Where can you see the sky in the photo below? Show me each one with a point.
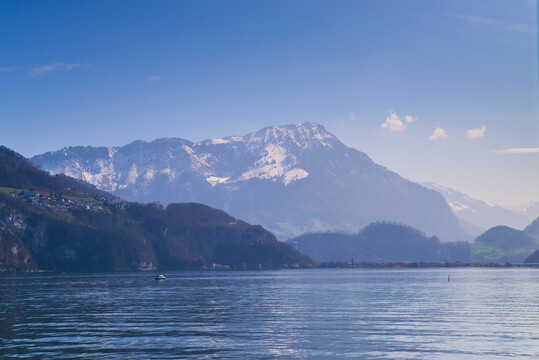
(440, 91)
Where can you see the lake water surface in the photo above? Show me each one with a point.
(297, 314)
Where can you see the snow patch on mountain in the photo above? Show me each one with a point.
(201, 164)
(133, 174)
(458, 206)
(188, 149)
(149, 174)
(294, 175)
(218, 141)
(270, 166)
(214, 180)
(86, 176)
(276, 164)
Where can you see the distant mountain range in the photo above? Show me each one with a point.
(57, 223)
(291, 179)
(380, 242)
(386, 242)
(475, 215)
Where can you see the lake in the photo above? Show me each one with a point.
(296, 314)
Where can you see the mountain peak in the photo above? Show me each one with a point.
(306, 135)
(301, 134)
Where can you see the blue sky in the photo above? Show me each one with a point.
(110, 72)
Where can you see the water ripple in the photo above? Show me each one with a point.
(300, 314)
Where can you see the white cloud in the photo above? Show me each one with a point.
(476, 133)
(154, 79)
(438, 133)
(50, 68)
(518, 151)
(409, 119)
(394, 123)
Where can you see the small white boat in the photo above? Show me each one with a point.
(160, 277)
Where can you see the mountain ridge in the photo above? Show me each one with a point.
(289, 178)
(481, 214)
(378, 243)
(383, 242)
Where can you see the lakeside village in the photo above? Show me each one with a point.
(58, 202)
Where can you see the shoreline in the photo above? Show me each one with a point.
(322, 265)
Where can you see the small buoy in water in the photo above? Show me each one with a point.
(448, 277)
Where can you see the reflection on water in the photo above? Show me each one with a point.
(357, 313)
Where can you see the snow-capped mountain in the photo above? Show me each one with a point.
(291, 179)
(476, 216)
